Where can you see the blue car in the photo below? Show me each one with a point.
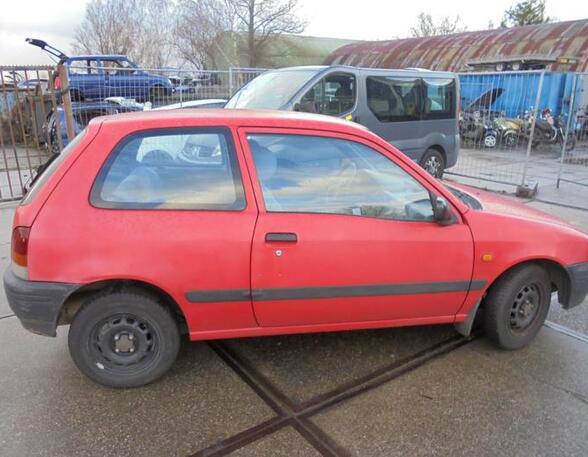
(97, 77)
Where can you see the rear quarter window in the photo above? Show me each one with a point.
(172, 169)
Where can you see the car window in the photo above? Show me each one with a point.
(333, 95)
(117, 67)
(313, 174)
(439, 98)
(83, 67)
(172, 169)
(394, 99)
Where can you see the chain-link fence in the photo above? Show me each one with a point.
(38, 116)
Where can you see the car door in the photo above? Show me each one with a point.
(334, 95)
(345, 234)
(392, 109)
(123, 80)
(86, 77)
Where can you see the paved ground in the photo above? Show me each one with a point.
(414, 391)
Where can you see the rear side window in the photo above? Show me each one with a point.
(439, 98)
(171, 169)
(45, 171)
(394, 99)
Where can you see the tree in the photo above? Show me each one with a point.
(427, 27)
(137, 28)
(198, 28)
(264, 20)
(525, 13)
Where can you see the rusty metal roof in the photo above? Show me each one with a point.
(562, 46)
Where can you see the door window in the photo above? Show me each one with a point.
(393, 99)
(314, 174)
(172, 169)
(333, 95)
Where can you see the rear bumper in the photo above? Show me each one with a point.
(578, 274)
(36, 304)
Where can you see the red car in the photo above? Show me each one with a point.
(229, 223)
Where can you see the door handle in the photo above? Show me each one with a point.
(281, 236)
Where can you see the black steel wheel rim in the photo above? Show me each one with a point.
(526, 307)
(124, 344)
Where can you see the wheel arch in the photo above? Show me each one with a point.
(73, 303)
(558, 275)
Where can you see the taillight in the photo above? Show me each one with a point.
(20, 251)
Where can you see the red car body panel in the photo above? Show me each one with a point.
(179, 251)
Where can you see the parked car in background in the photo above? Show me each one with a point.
(83, 112)
(415, 110)
(97, 77)
(198, 104)
(227, 223)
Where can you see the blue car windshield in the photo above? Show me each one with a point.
(271, 90)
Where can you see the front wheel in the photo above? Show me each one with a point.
(516, 306)
(433, 162)
(123, 339)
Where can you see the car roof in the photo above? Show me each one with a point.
(231, 118)
(99, 56)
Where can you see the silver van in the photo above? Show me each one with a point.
(414, 109)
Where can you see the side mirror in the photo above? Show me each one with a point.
(441, 211)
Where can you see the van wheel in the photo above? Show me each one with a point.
(516, 306)
(433, 162)
(123, 339)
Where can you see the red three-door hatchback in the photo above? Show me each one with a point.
(230, 223)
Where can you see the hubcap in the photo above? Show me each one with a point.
(525, 307)
(490, 141)
(123, 342)
(433, 165)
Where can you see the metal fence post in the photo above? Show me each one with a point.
(230, 82)
(565, 140)
(530, 144)
(66, 100)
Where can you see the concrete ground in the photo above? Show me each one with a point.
(412, 391)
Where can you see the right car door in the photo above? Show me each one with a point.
(347, 235)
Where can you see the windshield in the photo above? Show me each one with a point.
(271, 90)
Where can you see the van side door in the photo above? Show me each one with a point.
(392, 109)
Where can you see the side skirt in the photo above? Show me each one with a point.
(315, 328)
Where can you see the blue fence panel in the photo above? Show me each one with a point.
(516, 92)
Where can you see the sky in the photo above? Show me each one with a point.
(55, 22)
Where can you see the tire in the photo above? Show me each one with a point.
(516, 306)
(490, 141)
(509, 140)
(123, 339)
(433, 162)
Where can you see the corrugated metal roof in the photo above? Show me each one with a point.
(549, 43)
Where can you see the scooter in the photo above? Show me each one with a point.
(476, 129)
(548, 131)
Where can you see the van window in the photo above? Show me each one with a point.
(394, 99)
(333, 95)
(439, 98)
(171, 169)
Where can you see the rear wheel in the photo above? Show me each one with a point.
(157, 94)
(433, 162)
(516, 306)
(123, 339)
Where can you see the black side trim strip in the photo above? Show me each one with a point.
(294, 293)
(210, 296)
